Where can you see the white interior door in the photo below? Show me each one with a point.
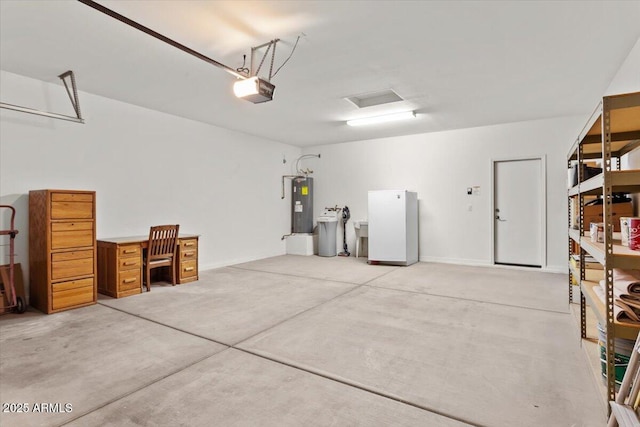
(518, 212)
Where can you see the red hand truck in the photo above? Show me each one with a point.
(15, 302)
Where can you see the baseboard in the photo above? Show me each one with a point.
(459, 261)
(482, 263)
(229, 262)
(556, 269)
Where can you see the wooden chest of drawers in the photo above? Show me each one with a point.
(62, 249)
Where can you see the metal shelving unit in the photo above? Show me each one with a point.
(612, 131)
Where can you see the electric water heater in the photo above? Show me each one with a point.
(302, 204)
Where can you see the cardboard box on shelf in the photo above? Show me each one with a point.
(594, 213)
(575, 211)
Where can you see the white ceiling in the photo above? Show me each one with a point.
(458, 64)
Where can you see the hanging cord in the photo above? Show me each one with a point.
(290, 55)
(243, 69)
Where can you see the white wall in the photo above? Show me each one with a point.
(440, 166)
(147, 168)
(627, 79)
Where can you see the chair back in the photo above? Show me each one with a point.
(163, 240)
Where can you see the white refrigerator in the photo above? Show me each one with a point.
(393, 227)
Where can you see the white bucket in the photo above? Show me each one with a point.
(622, 353)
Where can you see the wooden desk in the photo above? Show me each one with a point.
(120, 263)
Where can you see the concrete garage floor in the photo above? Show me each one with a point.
(293, 341)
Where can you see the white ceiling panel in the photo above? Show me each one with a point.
(457, 64)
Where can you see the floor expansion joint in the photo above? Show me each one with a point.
(362, 388)
(469, 299)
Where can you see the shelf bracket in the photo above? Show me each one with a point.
(73, 97)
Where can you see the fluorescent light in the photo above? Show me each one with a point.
(382, 119)
(254, 89)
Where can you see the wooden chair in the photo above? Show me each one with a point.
(162, 251)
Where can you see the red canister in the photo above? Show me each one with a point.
(634, 234)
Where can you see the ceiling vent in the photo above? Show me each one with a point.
(374, 98)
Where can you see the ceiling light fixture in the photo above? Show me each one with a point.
(382, 119)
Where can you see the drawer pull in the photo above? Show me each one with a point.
(129, 280)
(129, 251)
(189, 244)
(129, 263)
(189, 269)
(188, 254)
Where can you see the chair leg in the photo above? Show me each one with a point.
(173, 272)
(148, 279)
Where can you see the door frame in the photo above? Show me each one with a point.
(542, 201)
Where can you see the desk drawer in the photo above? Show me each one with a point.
(188, 269)
(71, 264)
(189, 244)
(188, 254)
(128, 280)
(130, 263)
(72, 293)
(129, 251)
